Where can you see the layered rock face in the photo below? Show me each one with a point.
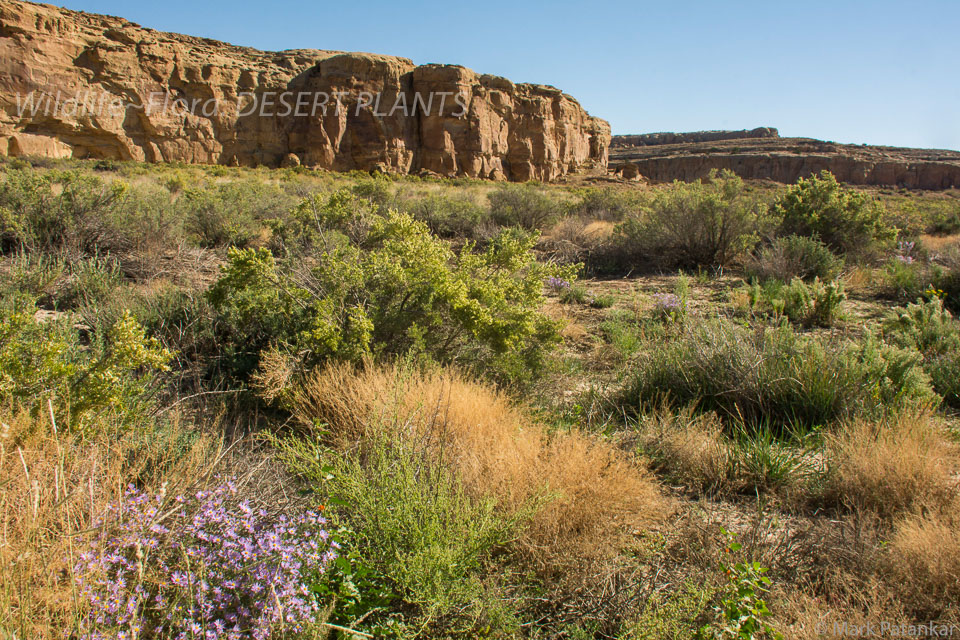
(653, 139)
(80, 85)
(787, 159)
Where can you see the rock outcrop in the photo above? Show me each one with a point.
(787, 159)
(79, 85)
(653, 139)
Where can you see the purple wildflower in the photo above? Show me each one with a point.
(199, 570)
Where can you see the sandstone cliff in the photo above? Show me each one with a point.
(80, 85)
(787, 159)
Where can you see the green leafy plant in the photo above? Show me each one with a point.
(57, 210)
(814, 304)
(743, 611)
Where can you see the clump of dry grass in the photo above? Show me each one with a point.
(896, 466)
(52, 488)
(589, 493)
(923, 561)
(687, 447)
(574, 239)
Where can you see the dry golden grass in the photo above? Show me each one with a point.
(923, 561)
(937, 244)
(897, 466)
(688, 447)
(590, 493)
(52, 488)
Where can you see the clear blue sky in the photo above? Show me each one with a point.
(877, 72)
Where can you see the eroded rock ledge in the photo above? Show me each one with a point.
(494, 129)
(785, 160)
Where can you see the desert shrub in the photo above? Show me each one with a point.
(889, 468)
(450, 216)
(396, 289)
(523, 205)
(933, 331)
(89, 282)
(776, 378)
(376, 190)
(322, 222)
(945, 221)
(604, 203)
(692, 224)
(231, 213)
(214, 565)
(56, 210)
(846, 220)
(41, 361)
(904, 278)
(35, 275)
(814, 304)
(182, 321)
(946, 285)
(794, 257)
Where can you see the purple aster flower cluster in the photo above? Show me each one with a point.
(207, 566)
(667, 304)
(904, 251)
(557, 284)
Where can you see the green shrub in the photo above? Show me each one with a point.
(231, 213)
(945, 221)
(693, 224)
(411, 524)
(376, 190)
(89, 283)
(946, 285)
(523, 205)
(45, 361)
(814, 304)
(794, 257)
(604, 203)
(56, 210)
(904, 279)
(933, 331)
(776, 378)
(846, 220)
(450, 216)
(393, 288)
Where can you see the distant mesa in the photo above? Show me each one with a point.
(762, 154)
(652, 139)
